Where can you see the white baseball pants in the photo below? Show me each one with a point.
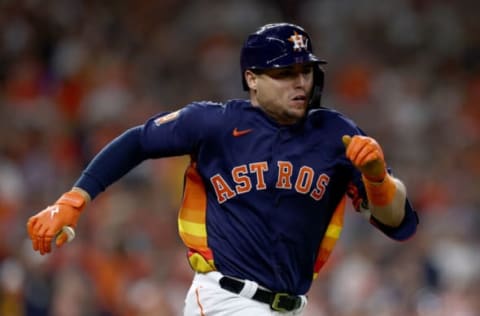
(206, 298)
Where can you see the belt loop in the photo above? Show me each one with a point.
(249, 289)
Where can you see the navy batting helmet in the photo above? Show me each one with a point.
(281, 45)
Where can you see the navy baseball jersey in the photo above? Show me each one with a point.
(261, 201)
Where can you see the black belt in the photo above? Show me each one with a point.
(282, 302)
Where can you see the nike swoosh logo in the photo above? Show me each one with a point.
(236, 132)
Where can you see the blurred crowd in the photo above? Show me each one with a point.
(76, 73)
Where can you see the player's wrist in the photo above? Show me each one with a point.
(374, 171)
(380, 193)
(74, 198)
(84, 193)
(377, 178)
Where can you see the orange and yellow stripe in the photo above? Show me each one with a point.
(334, 229)
(192, 224)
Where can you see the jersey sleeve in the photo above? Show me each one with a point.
(166, 134)
(175, 133)
(405, 230)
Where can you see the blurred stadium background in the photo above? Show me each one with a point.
(75, 73)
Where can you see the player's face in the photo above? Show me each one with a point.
(283, 93)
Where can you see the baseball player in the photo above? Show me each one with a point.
(265, 192)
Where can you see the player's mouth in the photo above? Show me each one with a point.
(299, 100)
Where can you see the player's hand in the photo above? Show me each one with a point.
(366, 155)
(48, 224)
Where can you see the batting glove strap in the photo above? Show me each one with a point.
(74, 199)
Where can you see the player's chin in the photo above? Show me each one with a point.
(298, 108)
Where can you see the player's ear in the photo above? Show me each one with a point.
(251, 79)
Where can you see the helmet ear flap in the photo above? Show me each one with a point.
(318, 81)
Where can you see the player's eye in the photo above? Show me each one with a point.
(283, 73)
(289, 72)
(307, 69)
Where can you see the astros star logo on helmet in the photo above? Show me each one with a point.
(299, 41)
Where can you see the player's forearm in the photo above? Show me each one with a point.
(388, 206)
(115, 160)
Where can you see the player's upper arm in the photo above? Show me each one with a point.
(179, 132)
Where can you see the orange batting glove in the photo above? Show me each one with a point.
(47, 224)
(367, 156)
